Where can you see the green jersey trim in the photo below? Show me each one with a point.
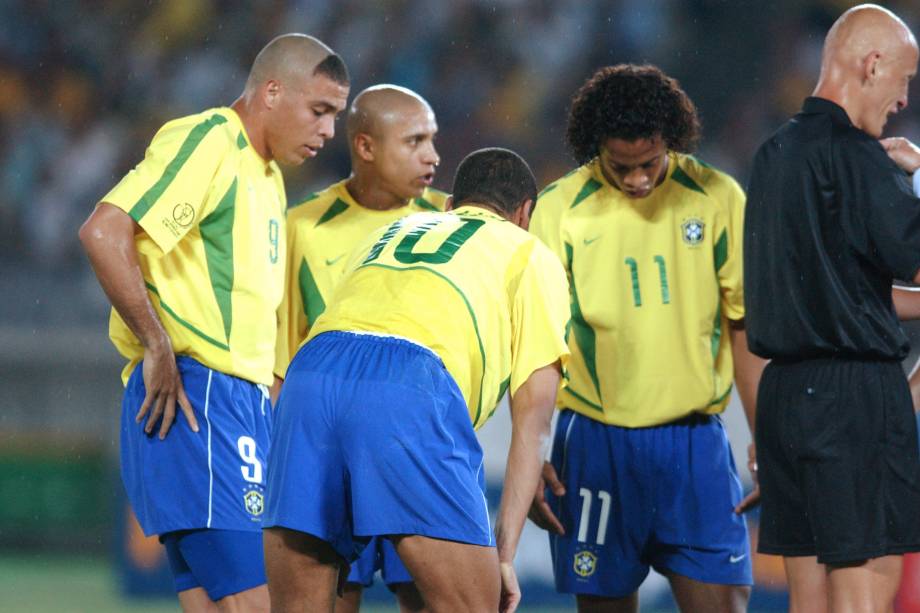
(195, 136)
(422, 203)
(585, 337)
(684, 179)
(217, 235)
(175, 316)
(469, 308)
(590, 186)
(338, 207)
(313, 303)
(568, 389)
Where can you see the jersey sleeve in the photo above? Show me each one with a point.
(170, 191)
(887, 228)
(727, 253)
(539, 315)
(546, 224)
(292, 318)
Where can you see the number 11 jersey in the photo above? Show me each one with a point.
(652, 283)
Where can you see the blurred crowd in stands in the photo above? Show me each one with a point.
(84, 84)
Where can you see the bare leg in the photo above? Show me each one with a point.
(602, 604)
(692, 595)
(452, 576)
(302, 571)
(196, 600)
(253, 600)
(409, 598)
(869, 587)
(807, 584)
(350, 600)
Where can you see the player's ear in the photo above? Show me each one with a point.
(870, 66)
(270, 93)
(363, 144)
(521, 215)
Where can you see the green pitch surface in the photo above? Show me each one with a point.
(55, 584)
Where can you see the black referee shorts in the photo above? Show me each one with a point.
(838, 461)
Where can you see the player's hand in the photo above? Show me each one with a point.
(903, 152)
(540, 513)
(511, 591)
(164, 390)
(753, 498)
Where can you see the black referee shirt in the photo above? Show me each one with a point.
(830, 222)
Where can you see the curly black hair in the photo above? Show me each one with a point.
(630, 102)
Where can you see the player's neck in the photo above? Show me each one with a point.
(370, 194)
(251, 126)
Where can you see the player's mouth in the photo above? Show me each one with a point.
(426, 179)
(311, 152)
(637, 193)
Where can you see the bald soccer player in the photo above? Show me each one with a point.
(375, 433)
(391, 133)
(831, 221)
(190, 249)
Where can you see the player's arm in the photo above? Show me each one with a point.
(108, 238)
(906, 301)
(748, 370)
(532, 407)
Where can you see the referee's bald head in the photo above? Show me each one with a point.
(869, 57)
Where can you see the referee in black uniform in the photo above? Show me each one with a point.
(830, 222)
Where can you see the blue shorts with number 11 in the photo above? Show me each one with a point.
(640, 498)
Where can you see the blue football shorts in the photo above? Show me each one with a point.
(222, 562)
(380, 554)
(639, 498)
(213, 478)
(373, 438)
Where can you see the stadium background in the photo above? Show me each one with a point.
(85, 83)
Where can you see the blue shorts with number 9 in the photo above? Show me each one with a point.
(639, 498)
(213, 478)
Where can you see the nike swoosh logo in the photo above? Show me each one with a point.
(334, 260)
(736, 559)
(588, 241)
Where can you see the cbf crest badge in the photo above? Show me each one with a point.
(692, 231)
(585, 563)
(254, 502)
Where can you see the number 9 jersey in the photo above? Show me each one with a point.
(494, 310)
(652, 283)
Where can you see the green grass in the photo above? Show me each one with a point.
(57, 584)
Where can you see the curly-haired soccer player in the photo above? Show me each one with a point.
(641, 473)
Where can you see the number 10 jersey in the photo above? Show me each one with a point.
(489, 298)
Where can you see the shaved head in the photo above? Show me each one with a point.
(292, 56)
(380, 106)
(862, 30)
(869, 57)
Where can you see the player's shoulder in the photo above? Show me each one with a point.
(215, 128)
(570, 189)
(701, 177)
(319, 207)
(431, 200)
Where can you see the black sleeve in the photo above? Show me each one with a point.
(883, 202)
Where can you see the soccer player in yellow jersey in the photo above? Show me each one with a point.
(391, 133)
(642, 474)
(190, 249)
(374, 432)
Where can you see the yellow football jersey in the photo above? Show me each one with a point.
(652, 282)
(484, 295)
(212, 249)
(321, 233)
